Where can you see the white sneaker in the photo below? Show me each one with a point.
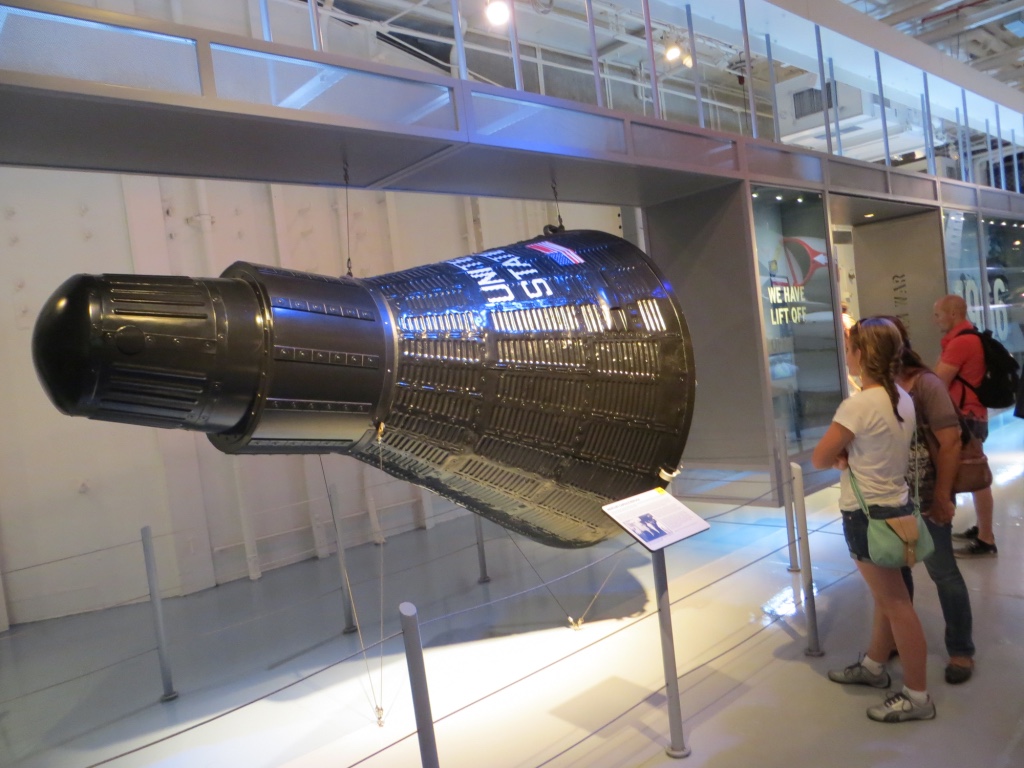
(899, 708)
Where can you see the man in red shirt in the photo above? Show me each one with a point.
(963, 359)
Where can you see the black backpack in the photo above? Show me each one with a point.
(998, 388)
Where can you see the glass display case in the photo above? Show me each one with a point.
(799, 320)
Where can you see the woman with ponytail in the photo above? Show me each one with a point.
(870, 436)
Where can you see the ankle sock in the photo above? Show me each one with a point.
(918, 697)
(872, 666)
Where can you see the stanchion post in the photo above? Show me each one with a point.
(169, 693)
(813, 645)
(677, 747)
(480, 552)
(418, 684)
(346, 595)
(786, 487)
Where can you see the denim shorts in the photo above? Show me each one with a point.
(855, 526)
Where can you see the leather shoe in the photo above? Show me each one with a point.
(957, 673)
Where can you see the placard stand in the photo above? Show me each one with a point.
(657, 519)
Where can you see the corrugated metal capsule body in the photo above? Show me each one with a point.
(563, 379)
(531, 383)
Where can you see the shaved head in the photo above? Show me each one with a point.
(949, 311)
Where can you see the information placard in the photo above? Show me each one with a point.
(656, 518)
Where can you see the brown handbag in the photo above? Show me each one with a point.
(972, 472)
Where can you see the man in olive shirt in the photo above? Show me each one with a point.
(963, 360)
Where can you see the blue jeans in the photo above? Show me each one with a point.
(953, 595)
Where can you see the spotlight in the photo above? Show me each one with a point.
(677, 51)
(531, 383)
(497, 12)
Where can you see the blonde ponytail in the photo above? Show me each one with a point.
(881, 349)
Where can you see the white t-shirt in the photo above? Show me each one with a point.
(880, 447)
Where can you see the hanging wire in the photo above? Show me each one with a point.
(577, 624)
(380, 547)
(551, 229)
(375, 703)
(542, 580)
(348, 224)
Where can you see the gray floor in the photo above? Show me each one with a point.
(267, 676)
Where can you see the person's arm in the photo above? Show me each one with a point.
(946, 372)
(946, 461)
(831, 449)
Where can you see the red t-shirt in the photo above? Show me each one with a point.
(966, 355)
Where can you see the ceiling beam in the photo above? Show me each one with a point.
(978, 19)
(916, 11)
(998, 60)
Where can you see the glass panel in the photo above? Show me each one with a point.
(540, 126)
(1004, 256)
(57, 46)
(963, 261)
(903, 88)
(981, 114)
(798, 91)
(804, 356)
(724, 90)
(952, 134)
(678, 65)
(260, 78)
(565, 66)
(857, 117)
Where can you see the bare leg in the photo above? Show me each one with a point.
(895, 619)
(983, 506)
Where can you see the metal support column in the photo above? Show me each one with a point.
(825, 93)
(747, 70)
(346, 582)
(649, 34)
(967, 138)
(677, 747)
(786, 485)
(481, 553)
(775, 95)
(418, 684)
(460, 41)
(169, 693)
(598, 87)
(696, 67)
(513, 39)
(929, 140)
(1000, 157)
(813, 644)
(881, 101)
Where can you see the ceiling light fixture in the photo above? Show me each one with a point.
(676, 50)
(497, 12)
(869, 215)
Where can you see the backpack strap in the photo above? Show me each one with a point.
(961, 379)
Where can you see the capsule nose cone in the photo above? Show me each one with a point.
(61, 344)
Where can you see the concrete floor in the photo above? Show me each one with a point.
(267, 678)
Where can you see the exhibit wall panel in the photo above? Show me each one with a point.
(900, 271)
(703, 245)
(76, 493)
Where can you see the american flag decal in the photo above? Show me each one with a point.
(559, 253)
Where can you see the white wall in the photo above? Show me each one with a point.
(75, 493)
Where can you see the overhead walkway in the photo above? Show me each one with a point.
(88, 89)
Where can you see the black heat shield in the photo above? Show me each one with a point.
(531, 384)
